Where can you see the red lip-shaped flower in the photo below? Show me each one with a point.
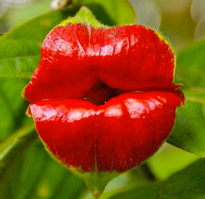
(103, 98)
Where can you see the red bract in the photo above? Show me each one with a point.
(103, 99)
(77, 58)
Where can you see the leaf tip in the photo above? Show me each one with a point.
(84, 16)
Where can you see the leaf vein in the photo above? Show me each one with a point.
(26, 56)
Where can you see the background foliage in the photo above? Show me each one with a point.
(27, 171)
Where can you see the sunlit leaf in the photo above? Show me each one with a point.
(190, 69)
(110, 12)
(186, 184)
(168, 160)
(189, 130)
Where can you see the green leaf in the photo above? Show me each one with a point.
(190, 69)
(110, 12)
(140, 175)
(186, 184)
(13, 106)
(18, 48)
(18, 58)
(168, 160)
(189, 129)
(32, 174)
(11, 147)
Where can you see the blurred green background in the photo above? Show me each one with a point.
(180, 21)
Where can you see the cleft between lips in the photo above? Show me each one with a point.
(101, 93)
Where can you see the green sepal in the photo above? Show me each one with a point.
(84, 16)
(95, 181)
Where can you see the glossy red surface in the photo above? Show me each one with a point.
(119, 134)
(76, 58)
(103, 98)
